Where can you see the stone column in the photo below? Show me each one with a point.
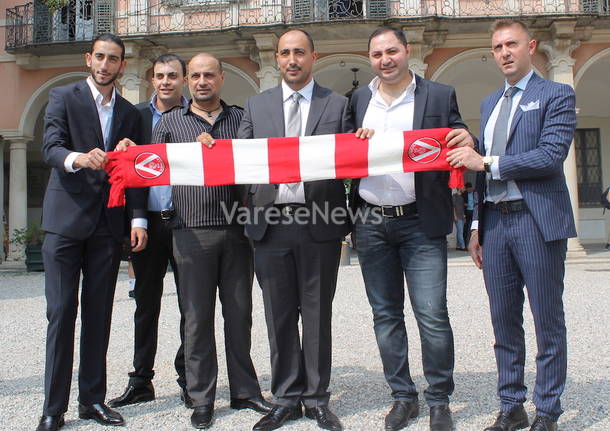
(2, 217)
(561, 69)
(18, 194)
(264, 55)
(422, 44)
(133, 81)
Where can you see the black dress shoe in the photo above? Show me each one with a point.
(256, 403)
(101, 413)
(542, 423)
(440, 418)
(399, 415)
(186, 399)
(326, 419)
(133, 395)
(202, 417)
(277, 417)
(516, 419)
(50, 423)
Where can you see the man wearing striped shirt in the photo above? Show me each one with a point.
(211, 252)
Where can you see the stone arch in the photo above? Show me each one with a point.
(238, 85)
(602, 55)
(333, 71)
(39, 98)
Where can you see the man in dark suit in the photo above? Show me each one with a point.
(524, 219)
(83, 121)
(296, 263)
(402, 227)
(150, 265)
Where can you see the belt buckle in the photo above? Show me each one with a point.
(167, 214)
(384, 214)
(503, 207)
(287, 210)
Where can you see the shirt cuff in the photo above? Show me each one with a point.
(139, 222)
(69, 162)
(474, 225)
(495, 168)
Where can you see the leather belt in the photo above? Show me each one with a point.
(289, 209)
(507, 207)
(164, 214)
(392, 211)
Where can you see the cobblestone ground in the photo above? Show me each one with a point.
(360, 395)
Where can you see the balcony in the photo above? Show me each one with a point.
(32, 24)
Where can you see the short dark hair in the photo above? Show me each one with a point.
(501, 23)
(109, 37)
(309, 38)
(166, 58)
(400, 35)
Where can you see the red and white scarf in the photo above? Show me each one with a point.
(278, 160)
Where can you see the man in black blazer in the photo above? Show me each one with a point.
(150, 264)
(296, 263)
(82, 121)
(402, 230)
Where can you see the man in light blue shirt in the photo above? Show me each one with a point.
(169, 76)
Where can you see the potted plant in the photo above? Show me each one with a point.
(31, 238)
(54, 5)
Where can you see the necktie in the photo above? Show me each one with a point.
(293, 125)
(498, 189)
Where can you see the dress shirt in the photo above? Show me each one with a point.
(160, 197)
(104, 112)
(285, 194)
(398, 188)
(513, 192)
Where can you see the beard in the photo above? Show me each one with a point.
(107, 80)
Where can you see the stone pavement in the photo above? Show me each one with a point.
(360, 395)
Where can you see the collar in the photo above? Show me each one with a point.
(186, 109)
(153, 104)
(306, 92)
(522, 82)
(374, 86)
(97, 96)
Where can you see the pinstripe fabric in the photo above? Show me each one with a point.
(512, 259)
(528, 248)
(199, 206)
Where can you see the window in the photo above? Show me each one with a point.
(588, 165)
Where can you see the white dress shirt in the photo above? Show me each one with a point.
(285, 194)
(104, 112)
(390, 189)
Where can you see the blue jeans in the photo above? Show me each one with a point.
(387, 250)
(459, 233)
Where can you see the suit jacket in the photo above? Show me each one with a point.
(264, 118)
(538, 143)
(74, 202)
(435, 106)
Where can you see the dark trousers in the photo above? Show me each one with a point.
(98, 258)
(209, 259)
(150, 266)
(467, 225)
(515, 254)
(298, 276)
(390, 250)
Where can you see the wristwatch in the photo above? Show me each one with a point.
(487, 161)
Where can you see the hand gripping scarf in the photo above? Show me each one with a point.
(278, 160)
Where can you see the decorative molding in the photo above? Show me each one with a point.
(27, 61)
(268, 77)
(331, 60)
(603, 54)
(151, 52)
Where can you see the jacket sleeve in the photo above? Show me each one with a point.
(246, 130)
(558, 126)
(137, 198)
(56, 141)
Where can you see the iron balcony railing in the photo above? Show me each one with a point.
(34, 24)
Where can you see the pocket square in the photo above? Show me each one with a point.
(530, 106)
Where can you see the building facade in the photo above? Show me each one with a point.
(43, 48)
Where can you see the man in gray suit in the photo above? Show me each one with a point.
(297, 263)
(524, 216)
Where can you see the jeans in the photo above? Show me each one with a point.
(459, 233)
(387, 250)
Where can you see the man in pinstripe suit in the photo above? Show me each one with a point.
(523, 219)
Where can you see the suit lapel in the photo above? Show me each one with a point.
(316, 109)
(486, 110)
(421, 98)
(529, 94)
(83, 94)
(276, 106)
(115, 125)
(362, 104)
